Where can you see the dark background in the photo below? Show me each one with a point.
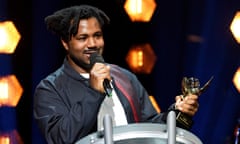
(174, 22)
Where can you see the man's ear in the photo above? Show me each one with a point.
(65, 45)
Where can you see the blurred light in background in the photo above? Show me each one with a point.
(140, 10)
(235, 27)
(11, 91)
(236, 79)
(155, 104)
(141, 58)
(11, 137)
(9, 37)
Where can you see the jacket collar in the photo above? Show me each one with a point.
(67, 68)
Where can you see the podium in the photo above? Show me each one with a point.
(142, 133)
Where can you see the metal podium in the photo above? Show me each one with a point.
(142, 133)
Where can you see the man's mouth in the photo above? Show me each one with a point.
(89, 52)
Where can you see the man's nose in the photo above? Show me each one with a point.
(91, 42)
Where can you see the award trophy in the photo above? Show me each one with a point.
(190, 86)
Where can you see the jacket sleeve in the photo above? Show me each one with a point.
(148, 112)
(65, 120)
(143, 105)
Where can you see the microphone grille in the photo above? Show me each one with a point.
(95, 57)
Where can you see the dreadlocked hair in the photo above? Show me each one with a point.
(65, 21)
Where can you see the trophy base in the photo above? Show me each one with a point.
(184, 120)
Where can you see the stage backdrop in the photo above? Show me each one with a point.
(189, 38)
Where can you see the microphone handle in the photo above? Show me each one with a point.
(107, 87)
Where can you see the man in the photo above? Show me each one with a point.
(70, 103)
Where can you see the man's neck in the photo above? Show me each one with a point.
(75, 66)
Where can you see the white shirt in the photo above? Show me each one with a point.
(113, 107)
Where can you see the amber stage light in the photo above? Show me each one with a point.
(9, 37)
(235, 27)
(236, 79)
(141, 58)
(11, 91)
(155, 104)
(140, 10)
(10, 137)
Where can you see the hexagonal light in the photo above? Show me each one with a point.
(140, 10)
(141, 58)
(235, 27)
(10, 137)
(11, 91)
(9, 37)
(236, 79)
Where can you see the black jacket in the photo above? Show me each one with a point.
(66, 107)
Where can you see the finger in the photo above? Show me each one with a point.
(191, 96)
(180, 97)
(98, 66)
(189, 109)
(192, 109)
(100, 69)
(178, 103)
(191, 102)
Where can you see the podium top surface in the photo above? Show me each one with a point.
(142, 133)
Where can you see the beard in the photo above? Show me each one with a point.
(80, 63)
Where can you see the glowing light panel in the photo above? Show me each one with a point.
(9, 37)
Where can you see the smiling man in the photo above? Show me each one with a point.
(70, 103)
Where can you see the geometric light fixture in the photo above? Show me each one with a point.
(141, 58)
(140, 10)
(235, 27)
(236, 79)
(10, 137)
(10, 91)
(9, 37)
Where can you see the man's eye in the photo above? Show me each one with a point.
(98, 35)
(82, 38)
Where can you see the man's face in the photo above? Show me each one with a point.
(88, 40)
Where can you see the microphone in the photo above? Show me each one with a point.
(94, 58)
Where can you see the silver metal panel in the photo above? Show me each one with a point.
(142, 133)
